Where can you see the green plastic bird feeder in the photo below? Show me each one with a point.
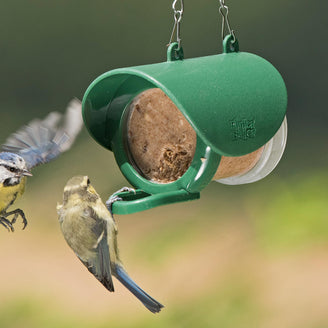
(235, 102)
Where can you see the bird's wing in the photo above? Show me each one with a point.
(99, 262)
(43, 140)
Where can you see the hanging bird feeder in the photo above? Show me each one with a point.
(175, 126)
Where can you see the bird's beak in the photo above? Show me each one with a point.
(27, 173)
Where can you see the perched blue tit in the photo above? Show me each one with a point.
(37, 143)
(90, 230)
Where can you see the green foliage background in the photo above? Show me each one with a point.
(243, 243)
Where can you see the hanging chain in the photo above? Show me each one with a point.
(224, 10)
(178, 13)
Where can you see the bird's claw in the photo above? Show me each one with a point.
(22, 215)
(114, 197)
(7, 224)
(125, 189)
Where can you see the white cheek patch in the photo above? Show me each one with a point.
(5, 174)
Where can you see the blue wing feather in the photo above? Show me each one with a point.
(43, 140)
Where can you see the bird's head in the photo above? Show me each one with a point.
(79, 187)
(12, 169)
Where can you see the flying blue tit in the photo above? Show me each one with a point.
(90, 230)
(36, 143)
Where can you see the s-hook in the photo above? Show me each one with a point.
(224, 10)
(178, 13)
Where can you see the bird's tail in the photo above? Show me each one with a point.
(150, 303)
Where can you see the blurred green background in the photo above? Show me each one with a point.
(242, 256)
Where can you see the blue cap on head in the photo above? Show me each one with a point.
(11, 157)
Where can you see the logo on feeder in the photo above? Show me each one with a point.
(243, 129)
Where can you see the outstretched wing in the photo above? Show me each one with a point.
(43, 140)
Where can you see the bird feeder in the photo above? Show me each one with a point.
(219, 117)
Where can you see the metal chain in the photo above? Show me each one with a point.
(178, 13)
(224, 10)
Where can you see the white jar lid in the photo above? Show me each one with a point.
(271, 155)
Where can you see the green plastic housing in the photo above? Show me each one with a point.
(235, 102)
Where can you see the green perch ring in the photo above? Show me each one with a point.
(235, 102)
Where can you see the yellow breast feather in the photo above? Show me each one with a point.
(8, 194)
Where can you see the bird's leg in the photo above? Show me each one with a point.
(6, 223)
(114, 198)
(16, 213)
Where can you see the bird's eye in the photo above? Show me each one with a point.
(11, 168)
(88, 181)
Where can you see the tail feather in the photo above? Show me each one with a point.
(150, 303)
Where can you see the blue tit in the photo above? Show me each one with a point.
(37, 143)
(91, 232)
